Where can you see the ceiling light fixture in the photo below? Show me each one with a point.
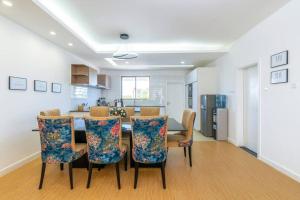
(7, 3)
(124, 54)
(52, 33)
(70, 44)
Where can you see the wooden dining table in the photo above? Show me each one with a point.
(80, 137)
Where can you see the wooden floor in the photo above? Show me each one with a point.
(220, 171)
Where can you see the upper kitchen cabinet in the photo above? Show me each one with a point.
(104, 81)
(83, 75)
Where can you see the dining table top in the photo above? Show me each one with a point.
(173, 125)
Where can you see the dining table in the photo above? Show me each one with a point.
(80, 137)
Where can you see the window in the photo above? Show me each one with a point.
(135, 87)
(79, 92)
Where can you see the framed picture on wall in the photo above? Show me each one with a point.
(40, 86)
(280, 59)
(56, 88)
(280, 76)
(17, 83)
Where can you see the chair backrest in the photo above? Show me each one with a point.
(150, 111)
(99, 111)
(104, 139)
(149, 139)
(188, 119)
(129, 113)
(53, 112)
(57, 138)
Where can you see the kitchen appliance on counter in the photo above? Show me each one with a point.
(209, 106)
(102, 102)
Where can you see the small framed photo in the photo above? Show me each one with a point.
(56, 88)
(280, 76)
(40, 86)
(17, 83)
(280, 59)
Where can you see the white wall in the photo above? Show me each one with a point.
(93, 95)
(280, 108)
(25, 54)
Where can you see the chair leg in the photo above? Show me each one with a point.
(190, 155)
(90, 175)
(136, 174)
(163, 174)
(71, 174)
(61, 166)
(184, 149)
(118, 175)
(42, 175)
(125, 160)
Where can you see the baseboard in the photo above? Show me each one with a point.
(281, 168)
(19, 163)
(233, 141)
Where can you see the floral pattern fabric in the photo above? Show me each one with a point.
(56, 138)
(103, 137)
(149, 137)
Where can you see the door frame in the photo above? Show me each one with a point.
(184, 95)
(241, 105)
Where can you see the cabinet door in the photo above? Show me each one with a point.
(92, 77)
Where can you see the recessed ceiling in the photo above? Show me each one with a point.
(164, 33)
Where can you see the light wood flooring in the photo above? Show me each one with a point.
(220, 171)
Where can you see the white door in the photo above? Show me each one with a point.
(175, 100)
(251, 106)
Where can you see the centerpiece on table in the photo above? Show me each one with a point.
(117, 111)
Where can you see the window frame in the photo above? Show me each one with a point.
(134, 87)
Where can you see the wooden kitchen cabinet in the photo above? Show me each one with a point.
(83, 75)
(104, 81)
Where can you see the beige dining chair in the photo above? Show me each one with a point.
(150, 111)
(53, 112)
(99, 111)
(185, 138)
(129, 113)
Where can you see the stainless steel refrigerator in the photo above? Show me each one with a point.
(208, 103)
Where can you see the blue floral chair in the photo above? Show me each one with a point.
(104, 142)
(149, 138)
(58, 143)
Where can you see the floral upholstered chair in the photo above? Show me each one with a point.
(104, 141)
(184, 139)
(58, 143)
(149, 136)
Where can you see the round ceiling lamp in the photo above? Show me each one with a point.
(124, 55)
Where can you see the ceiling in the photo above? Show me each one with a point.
(168, 34)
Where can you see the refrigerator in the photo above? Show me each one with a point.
(208, 103)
